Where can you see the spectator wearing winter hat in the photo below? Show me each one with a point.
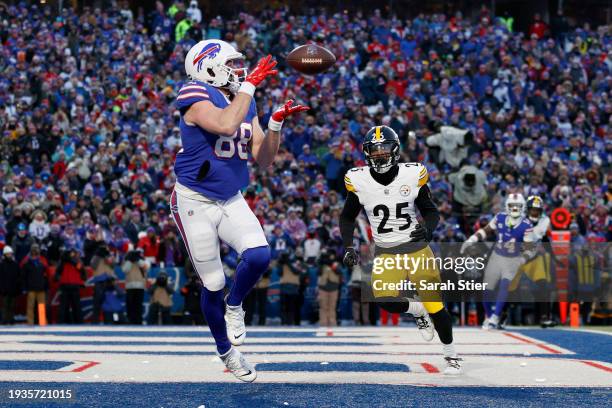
(22, 242)
(295, 226)
(10, 284)
(52, 244)
(149, 244)
(171, 251)
(280, 242)
(133, 226)
(39, 228)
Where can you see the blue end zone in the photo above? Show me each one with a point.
(36, 365)
(308, 395)
(346, 366)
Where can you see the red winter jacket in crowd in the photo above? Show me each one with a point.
(150, 247)
(68, 273)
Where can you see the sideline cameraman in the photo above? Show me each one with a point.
(135, 268)
(102, 263)
(469, 194)
(454, 143)
(161, 300)
(329, 288)
(289, 288)
(71, 276)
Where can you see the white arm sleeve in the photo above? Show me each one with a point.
(433, 140)
(493, 223)
(539, 231)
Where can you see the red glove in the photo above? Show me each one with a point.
(263, 69)
(288, 109)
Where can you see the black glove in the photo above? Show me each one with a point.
(350, 257)
(420, 234)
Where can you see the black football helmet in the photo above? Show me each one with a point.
(381, 147)
(535, 208)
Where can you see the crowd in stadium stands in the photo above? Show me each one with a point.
(90, 131)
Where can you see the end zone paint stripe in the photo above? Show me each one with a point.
(430, 368)
(528, 341)
(596, 365)
(85, 366)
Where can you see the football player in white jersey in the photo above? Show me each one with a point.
(538, 270)
(390, 193)
(535, 213)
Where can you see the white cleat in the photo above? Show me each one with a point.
(237, 365)
(453, 366)
(425, 327)
(234, 321)
(491, 323)
(485, 324)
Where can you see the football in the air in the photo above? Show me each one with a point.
(311, 59)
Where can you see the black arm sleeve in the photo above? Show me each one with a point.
(428, 209)
(351, 210)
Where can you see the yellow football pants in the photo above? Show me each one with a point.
(389, 274)
(536, 269)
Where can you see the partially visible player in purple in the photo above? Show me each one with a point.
(219, 132)
(512, 250)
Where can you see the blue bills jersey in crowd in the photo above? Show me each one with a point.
(508, 235)
(210, 164)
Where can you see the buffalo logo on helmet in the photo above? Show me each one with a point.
(209, 51)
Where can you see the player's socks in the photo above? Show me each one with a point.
(213, 307)
(449, 350)
(489, 295)
(253, 264)
(416, 309)
(502, 295)
(444, 325)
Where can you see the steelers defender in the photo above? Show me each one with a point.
(390, 192)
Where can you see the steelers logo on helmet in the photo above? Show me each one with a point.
(535, 207)
(381, 148)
